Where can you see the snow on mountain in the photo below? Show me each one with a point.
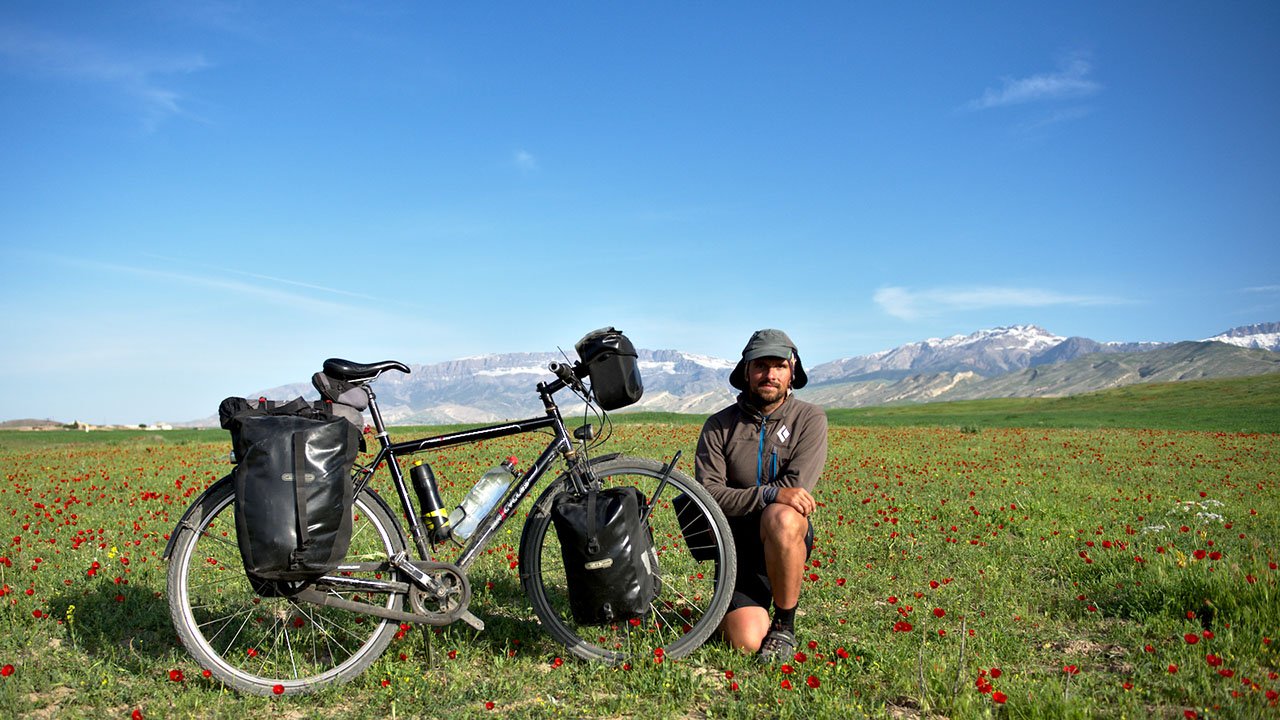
(1264, 336)
(985, 352)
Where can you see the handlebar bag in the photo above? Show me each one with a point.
(613, 365)
(293, 492)
(610, 564)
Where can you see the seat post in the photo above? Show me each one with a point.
(376, 414)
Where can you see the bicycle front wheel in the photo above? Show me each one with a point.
(265, 645)
(696, 558)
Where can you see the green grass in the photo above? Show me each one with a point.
(1250, 404)
(1043, 548)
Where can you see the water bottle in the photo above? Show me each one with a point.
(433, 514)
(481, 499)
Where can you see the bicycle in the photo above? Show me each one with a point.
(297, 638)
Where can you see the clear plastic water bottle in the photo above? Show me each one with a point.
(481, 499)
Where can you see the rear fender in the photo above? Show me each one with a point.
(191, 518)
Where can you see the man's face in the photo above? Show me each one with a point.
(769, 378)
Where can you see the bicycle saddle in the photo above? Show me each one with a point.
(360, 372)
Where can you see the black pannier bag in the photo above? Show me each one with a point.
(293, 488)
(610, 564)
(613, 366)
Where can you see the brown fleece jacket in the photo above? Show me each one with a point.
(740, 452)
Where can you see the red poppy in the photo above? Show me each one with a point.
(1191, 638)
(939, 612)
(176, 676)
(812, 681)
(277, 689)
(785, 684)
(6, 671)
(995, 673)
(1070, 669)
(998, 697)
(787, 669)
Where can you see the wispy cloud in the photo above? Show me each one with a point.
(145, 79)
(525, 161)
(1071, 81)
(1263, 289)
(911, 304)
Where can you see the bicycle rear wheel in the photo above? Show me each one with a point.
(695, 593)
(266, 645)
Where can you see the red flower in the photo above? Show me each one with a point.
(995, 673)
(1173, 669)
(812, 681)
(1070, 669)
(800, 657)
(557, 662)
(136, 715)
(902, 626)
(6, 671)
(1190, 714)
(1191, 638)
(939, 612)
(998, 697)
(734, 686)
(277, 689)
(176, 676)
(785, 684)
(842, 653)
(1213, 660)
(893, 599)
(787, 669)
(488, 704)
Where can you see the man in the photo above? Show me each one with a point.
(760, 459)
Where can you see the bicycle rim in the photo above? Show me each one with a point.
(266, 645)
(694, 593)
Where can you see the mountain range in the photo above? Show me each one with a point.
(1014, 361)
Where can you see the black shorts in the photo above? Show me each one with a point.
(753, 588)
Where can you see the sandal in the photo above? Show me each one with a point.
(777, 646)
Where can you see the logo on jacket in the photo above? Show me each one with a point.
(783, 433)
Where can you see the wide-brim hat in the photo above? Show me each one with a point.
(768, 343)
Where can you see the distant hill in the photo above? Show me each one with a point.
(1014, 361)
(1088, 373)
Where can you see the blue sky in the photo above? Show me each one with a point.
(209, 198)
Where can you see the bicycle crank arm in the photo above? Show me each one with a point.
(316, 597)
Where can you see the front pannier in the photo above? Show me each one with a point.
(613, 366)
(293, 490)
(609, 561)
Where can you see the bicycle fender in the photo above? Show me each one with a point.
(193, 514)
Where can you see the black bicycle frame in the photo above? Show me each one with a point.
(559, 445)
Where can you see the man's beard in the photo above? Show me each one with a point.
(759, 400)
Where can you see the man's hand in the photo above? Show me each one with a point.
(798, 498)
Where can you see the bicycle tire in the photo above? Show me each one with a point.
(272, 645)
(694, 594)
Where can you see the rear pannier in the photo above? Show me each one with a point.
(293, 488)
(613, 367)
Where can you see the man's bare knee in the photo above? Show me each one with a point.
(783, 523)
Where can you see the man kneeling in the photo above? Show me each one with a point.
(760, 458)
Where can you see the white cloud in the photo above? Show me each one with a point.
(526, 161)
(1070, 81)
(909, 304)
(142, 78)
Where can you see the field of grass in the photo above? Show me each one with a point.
(1250, 404)
(1034, 572)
